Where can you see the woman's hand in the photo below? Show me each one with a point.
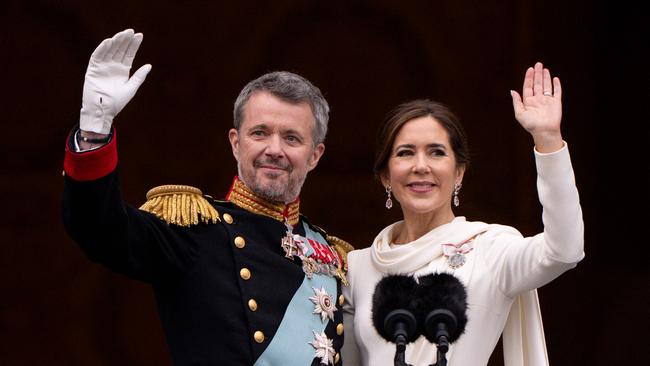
(540, 110)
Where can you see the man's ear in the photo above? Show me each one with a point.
(319, 150)
(233, 136)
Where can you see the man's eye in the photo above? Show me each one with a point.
(292, 138)
(257, 133)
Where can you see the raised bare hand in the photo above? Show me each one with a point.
(540, 109)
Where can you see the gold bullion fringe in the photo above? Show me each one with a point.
(342, 247)
(180, 205)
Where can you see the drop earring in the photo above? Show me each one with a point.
(456, 190)
(389, 201)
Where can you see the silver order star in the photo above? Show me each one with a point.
(324, 348)
(323, 304)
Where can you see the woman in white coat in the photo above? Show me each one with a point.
(421, 161)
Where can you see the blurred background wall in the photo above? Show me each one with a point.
(58, 308)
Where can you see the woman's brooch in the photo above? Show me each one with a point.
(455, 253)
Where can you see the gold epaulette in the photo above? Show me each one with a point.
(342, 247)
(180, 205)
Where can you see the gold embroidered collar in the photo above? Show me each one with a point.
(242, 196)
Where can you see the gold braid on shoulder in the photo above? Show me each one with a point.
(342, 247)
(180, 205)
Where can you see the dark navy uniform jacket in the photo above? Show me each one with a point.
(223, 290)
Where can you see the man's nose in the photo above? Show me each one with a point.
(274, 148)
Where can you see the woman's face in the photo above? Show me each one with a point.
(422, 168)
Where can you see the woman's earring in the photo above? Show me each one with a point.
(389, 201)
(456, 190)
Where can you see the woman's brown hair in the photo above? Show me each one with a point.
(408, 111)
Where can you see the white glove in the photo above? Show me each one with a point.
(107, 87)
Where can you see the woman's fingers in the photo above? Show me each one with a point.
(547, 85)
(557, 88)
(527, 90)
(538, 79)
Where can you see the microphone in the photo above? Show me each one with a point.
(393, 314)
(440, 302)
(435, 306)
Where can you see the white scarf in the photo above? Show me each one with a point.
(523, 335)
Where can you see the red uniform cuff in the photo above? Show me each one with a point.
(90, 165)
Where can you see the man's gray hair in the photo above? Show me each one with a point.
(291, 88)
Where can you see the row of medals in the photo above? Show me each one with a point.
(295, 245)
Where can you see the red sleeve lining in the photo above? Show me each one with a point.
(90, 165)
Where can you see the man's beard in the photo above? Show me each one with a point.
(276, 190)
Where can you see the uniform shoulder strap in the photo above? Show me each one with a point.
(180, 205)
(341, 246)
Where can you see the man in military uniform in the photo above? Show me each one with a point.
(242, 281)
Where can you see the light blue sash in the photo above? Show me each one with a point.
(290, 344)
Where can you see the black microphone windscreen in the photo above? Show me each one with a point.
(392, 292)
(441, 291)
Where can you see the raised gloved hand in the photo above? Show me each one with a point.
(107, 87)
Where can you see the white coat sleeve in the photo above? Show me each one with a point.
(521, 264)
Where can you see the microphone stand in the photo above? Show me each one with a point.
(402, 324)
(442, 360)
(400, 349)
(441, 323)
(443, 347)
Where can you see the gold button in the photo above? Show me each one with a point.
(227, 218)
(63, 173)
(339, 329)
(258, 336)
(245, 273)
(240, 242)
(341, 300)
(337, 358)
(252, 304)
